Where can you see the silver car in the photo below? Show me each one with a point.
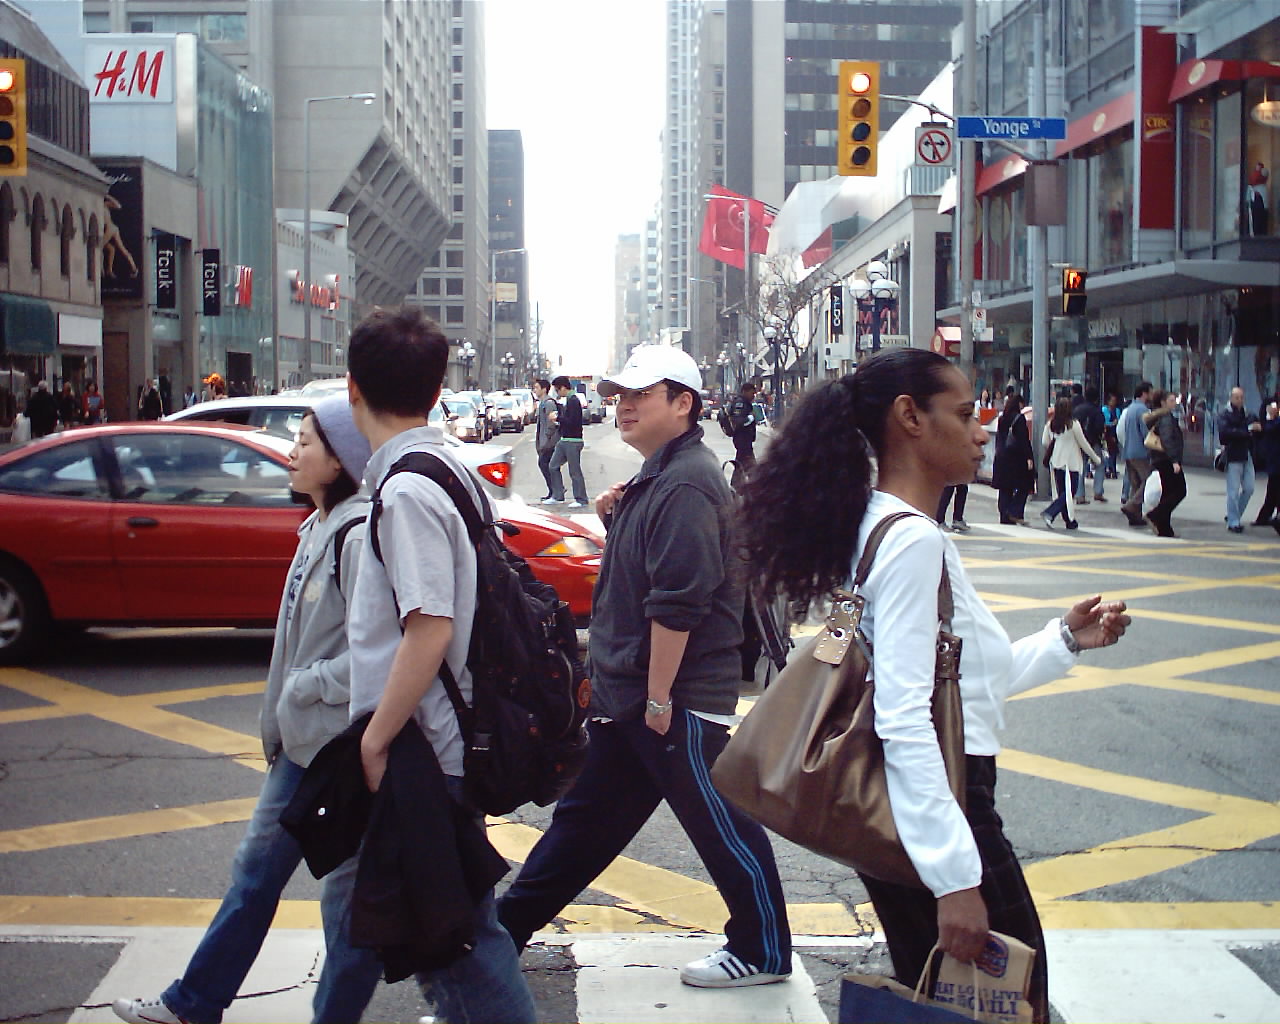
(281, 415)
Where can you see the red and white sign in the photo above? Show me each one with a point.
(935, 146)
(123, 73)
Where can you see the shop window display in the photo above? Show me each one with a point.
(1228, 189)
(1111, 203)
(1262, 150)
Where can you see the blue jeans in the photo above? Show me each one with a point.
(263, 865)
(1099, 477)
(569, 450)
(1239, 489)
(1059, 506)
(487, 985)
(553, 478)
(630, 769)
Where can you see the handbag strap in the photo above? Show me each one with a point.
(946, 601)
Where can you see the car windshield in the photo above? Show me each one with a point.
(504, 402)
(460, 408)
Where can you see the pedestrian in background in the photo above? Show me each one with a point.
(546, 434)
(665, 666)
(1066, 461)
(742, 419)
(94, 411)
(1014, 472)
(304, 706)
(1131, 431)
(1269, 460)
(568, 449)
(1094, 425)
(1166, 460)
(1237, 430)
(188, 397)
(42, 410)
(69, 411)
(912, 411)
(150, 406)
(1111, 417)
(960, 492)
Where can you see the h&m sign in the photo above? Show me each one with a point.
(122, 71)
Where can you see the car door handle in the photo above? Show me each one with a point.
(139, 521)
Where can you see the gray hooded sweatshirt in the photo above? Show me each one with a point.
(309, 682)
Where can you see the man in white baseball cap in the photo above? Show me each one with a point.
(666, 628)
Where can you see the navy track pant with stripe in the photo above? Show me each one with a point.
(629, 770)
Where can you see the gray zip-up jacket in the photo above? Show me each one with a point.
(309, 681)
(669, 559)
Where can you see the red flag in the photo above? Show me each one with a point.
(819, 251)
(723, 227)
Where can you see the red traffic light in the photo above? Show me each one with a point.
(7, 80)
(859, 83)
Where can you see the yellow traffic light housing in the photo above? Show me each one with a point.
(13, 116)
(858, 100)
(1074, 297)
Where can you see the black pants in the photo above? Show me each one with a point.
(1271, 499)
(961, 493)
(630, 769)
(910, 916)
(1173, 488)
(744, 458)
(1012, 502)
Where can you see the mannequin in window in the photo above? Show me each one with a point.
(1255, 200)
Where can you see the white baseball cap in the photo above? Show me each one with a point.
(649, 364)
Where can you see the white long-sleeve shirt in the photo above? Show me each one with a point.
(901, 622)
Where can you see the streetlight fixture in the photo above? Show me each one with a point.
(722, 361)
(304, 362)
(772, 338)
(874, 295)
(493, 309)
(509, 364)
(467, 354)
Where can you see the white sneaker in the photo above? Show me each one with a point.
(1048, 522)
(577, 504)
(554, 501)
(145, 1011)
(722, 969)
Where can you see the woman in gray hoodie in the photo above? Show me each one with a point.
(308, 689)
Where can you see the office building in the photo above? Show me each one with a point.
(628, 298)
(509, 260)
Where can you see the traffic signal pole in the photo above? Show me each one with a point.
(966, 186)
(1038, 267)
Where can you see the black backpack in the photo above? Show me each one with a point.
(725, 420)
(524, 730)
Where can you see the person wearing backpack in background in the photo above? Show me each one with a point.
(305, 705)
(1094, 424)
(413, 612)
(665, 664)
(742, 421)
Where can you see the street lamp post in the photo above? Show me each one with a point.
(742, 364)
(722, 361)
(304, 362)
(874, 296)
(493, 310)
(467, 354)
(509, 364)
(772, 339)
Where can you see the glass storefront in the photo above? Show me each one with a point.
(1261, 152)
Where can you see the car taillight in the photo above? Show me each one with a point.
(498, 473)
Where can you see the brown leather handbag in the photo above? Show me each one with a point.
(807, 763)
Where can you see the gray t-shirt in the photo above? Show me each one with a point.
(430, 567)
(548, 433)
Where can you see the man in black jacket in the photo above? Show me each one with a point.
(1089, 415)
(665, 631)
(742, 417)
(1237, 429)
(569, 448)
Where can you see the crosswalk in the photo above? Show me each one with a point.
(1095, 976)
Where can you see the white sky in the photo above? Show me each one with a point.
(582, 80)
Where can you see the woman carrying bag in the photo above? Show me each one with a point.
(1014, 471)
(1066, 460)
(1165, 448)
(809, 511)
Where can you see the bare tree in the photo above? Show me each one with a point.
(786, 291)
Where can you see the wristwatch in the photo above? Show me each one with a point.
(1068, 637)
(653, 707)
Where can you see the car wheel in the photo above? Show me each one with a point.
(24, 614)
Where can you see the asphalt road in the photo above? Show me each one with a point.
(1141, 791)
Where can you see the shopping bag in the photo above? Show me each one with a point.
(875, 999)
(1151, 494)
(993, 988)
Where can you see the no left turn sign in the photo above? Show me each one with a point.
(935, 146)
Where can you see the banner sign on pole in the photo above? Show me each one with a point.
(836, 308)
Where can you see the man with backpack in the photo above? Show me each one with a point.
(739, 422)
(665, 664)
(412, 617)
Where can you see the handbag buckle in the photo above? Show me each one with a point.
(843, 624)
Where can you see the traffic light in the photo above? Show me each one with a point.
(858, 100)
(1074, 298)
(13, 116)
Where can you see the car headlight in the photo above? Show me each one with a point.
(572, 546)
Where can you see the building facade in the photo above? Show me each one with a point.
(510, 258)
(51, 231)
(628, 298)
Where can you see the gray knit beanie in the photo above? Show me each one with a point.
(348, 444)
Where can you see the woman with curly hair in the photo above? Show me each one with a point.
(884, 440)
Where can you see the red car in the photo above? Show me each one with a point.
(148, 524)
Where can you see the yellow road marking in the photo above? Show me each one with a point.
(124, 826)
(1082, 680)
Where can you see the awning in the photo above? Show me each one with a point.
(1194, 76)
(1101, 122)
(999, 172)
(27, 326)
